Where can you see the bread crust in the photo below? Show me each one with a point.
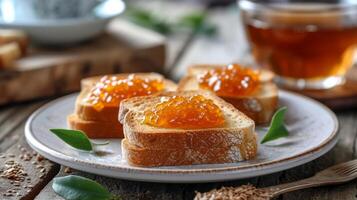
(144, 157)
(260, 109)
(96, 129)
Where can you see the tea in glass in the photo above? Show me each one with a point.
(308, 45)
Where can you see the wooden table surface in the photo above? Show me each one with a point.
(183, 49)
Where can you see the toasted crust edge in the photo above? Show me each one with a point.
(144, 157)
(96, 129)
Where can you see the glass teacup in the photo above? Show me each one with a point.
(308, 44)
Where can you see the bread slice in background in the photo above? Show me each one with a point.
(259, 106)
(95, 129)
(14, 36)
(86, 111)
(9, 53)
(103, 123)
(235, 141)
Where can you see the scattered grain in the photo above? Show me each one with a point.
(40, 167)
(13, 171)
(244, 192)
(39, 158)
(67, 170)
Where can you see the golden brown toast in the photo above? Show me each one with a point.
(96, 129)
(90, 120)
(143, 143)
(259, 106)
(14, 36)
(9, 53)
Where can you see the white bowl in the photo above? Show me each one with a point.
(59, 22)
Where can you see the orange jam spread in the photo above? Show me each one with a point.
(185, 112)
(110, 90)
(231, 80)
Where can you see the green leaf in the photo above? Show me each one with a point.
(74, 138)
(149, 20)
(194, 20)
(79, 188)
(198, 23)
(277, 127)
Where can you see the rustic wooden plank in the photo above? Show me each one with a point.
(126, 189)
(142, 190)
(39, 172)
(16, 121)
(5, 112)
(125, 47)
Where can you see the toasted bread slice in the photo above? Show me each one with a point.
(144, 157)
(96, 124)
(86, 110)
(9, 53)
(259, 106)
(238, 132)
(14, 36)
(95, 129)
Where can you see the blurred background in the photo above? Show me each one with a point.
(48, 46)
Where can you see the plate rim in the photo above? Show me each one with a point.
(296, 160)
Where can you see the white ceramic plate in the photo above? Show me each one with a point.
(313, 132)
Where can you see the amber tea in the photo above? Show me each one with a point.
(300, 44)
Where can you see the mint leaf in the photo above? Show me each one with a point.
(74, 138)
(277, 127)
(149, 20)
(198, 23)
(79, 188)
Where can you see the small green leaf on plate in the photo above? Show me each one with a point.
(74, 138)
(79, 188)
(277, 127)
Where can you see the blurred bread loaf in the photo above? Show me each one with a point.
(13, 45)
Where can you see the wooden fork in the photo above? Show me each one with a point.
(333, 175)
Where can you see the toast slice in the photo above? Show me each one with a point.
(143, 143)
(86, 110)
(97, 124)
(9, 53)
(15, 36)
(95, 129)
(259, 106)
